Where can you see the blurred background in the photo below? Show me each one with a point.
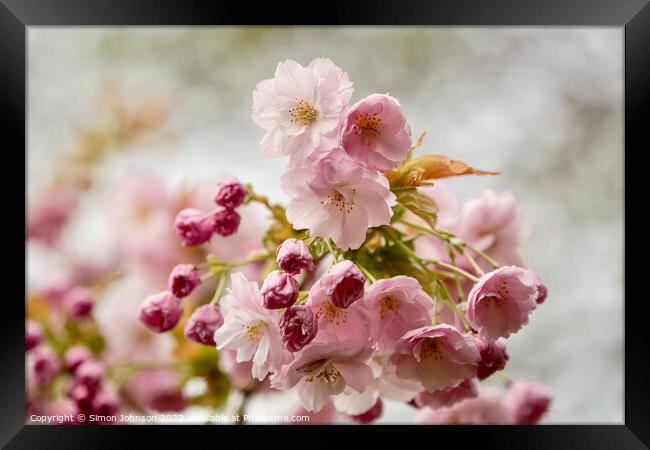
(541, 105)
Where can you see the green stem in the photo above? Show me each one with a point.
(366, 272)
(472, 261)
(331, 250)
(220, 287)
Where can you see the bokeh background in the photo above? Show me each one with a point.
(542, 105)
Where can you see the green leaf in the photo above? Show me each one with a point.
(419, 204)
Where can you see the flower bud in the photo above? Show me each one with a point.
(202, 324)
(231, 194)
(90, 373)
(344, 284)
(225, 222)
(279, 290)
(33, 334)
(183, 279)
(371, 415)
(105, 403)
(542, 292)
(293, 256)
(527, 402)
(45, 365)
(193, 227)
(493, 357)
(160, 312)
(78, 303)
(82, 396)
(298, 327)
(75, 356)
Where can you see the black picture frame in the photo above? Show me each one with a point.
(632, 15)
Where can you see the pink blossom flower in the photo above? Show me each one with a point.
(500, 302)
(33, 334)
(75, 356)
(370, 415)
(542, 292)
(439, 356)
(326, 416)
(375, 132)
(156, 390)
(298, 327)
(160, 312)
(49, 213)
(140, 216)
(492, 223)
(293, 255)
(183, 280)
(280, 290)
(432, 247)
(90, 373)
(203, 323)
(231, 194)
(126, 339)
(325, 369)
(389, 385)
(45, 365)
(448, 396)
(396, 305)
(486, 409)
(301, 108)
(337, 198)
(105, 403)
(225, 222)
(493, 357)
(195, 228)
(239, 373)
(78, 303)
(250, 328)
(353, 403)
(344, 283)
(527, 402)
(334, 323)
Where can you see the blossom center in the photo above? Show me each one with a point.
(332, 314)
(254, 331)
(338, 200)
(368, 125)
(430, 349)
(303, 113)
(387, 303)
(329, 374)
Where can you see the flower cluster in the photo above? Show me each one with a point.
(372, 286)
(194, 227)
(368, 297)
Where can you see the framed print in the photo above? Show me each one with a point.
(382, 220)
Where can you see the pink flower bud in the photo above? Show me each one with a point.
(105, 403)
(45, 365)
(542, 292)
(193, 227)
(90, 373)
(371, 415)
(75, 356)
(160, 312)
(344, 284)
(231, 194)
(202, 324)
(298, 327)
(82, 396)
(279, 290)
(293, 256)
(527, 402)
(225, 222)
(183, 280)
(78, 303)
(493, 357)
(33, 334)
